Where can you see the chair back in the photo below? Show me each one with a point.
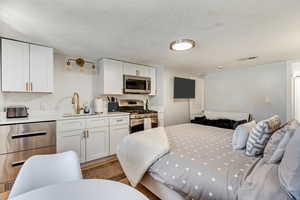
(42, 170)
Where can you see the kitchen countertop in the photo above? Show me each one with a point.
(56, 117)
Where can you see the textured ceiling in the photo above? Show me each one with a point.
(140, 31)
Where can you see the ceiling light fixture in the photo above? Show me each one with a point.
(182, 45)
(248, 58)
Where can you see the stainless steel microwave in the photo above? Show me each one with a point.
(137, 85)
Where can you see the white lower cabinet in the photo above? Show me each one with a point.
(97, 143)
(116, 136)
(73, 141)
(92, 138)
(119, 128)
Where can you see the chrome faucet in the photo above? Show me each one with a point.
(75, 101)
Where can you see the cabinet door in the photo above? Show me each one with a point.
(152, 74)
(41, 68)
(97, 143)
(143, 71)
(136, 70)
(15, 66)
(72, 141)
(113, 77)
(116, 136)
(130, 69)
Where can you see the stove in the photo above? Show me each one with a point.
(140, 118)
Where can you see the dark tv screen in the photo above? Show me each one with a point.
(184, 88)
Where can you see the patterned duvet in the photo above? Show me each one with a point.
(201, 163)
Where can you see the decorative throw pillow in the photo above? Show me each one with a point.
(241, 134)
(276, 146)
(289, 167)
(260, 135)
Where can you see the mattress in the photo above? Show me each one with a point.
(201, 163)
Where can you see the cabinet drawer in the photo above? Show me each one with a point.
(116, 121)
(96, 122)
(121, 127)
(71, 125)
(20, 137)
(11, 163)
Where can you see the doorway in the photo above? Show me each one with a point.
(297, 98)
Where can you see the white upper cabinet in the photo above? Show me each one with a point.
(152, 74)
(129, 69)
(15, 66)
(26, 67)
(136, 70)
(41, 69)
(110, 77)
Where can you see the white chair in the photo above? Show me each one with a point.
(42, 170)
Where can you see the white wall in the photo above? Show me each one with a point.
(259, 90)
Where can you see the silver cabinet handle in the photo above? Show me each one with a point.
(84, 134)
(26, 86)
(119, 120)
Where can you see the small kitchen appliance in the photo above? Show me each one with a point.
(16, 112)
(137, 85)
(99, 105)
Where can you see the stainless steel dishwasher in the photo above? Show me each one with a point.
(18, 142)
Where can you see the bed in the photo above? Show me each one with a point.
(201, 160)
(200, 164)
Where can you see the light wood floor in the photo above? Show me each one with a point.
(108, 168)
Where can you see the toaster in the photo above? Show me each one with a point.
(16, 112)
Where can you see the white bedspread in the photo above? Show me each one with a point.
(138, 151)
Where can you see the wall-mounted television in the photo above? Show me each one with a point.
(184, 88)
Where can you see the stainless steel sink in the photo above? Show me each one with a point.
(78, 115)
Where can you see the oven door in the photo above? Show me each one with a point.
(136, 125)
(137, 85)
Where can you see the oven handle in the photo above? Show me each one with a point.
(31, 134)
(136, 122)
(149, 85)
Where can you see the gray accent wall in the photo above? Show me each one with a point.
(259, 90)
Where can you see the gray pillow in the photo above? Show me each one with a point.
(241, 134)
(276, 146)
(289, 167)
(260, 135)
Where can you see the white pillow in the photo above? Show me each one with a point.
(241, 134)
(214, 115)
